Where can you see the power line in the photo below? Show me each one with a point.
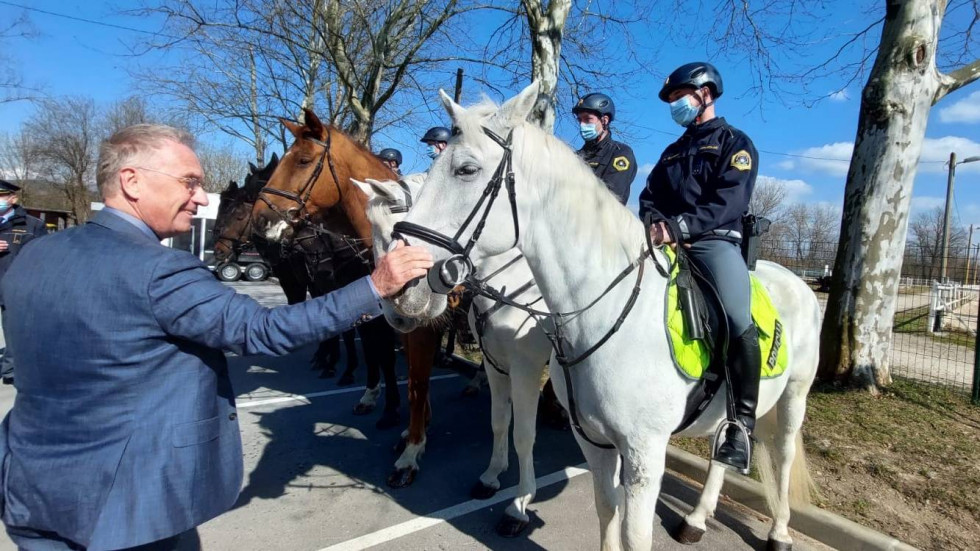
(83, 20)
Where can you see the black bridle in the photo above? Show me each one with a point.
(303, 195)
(458, 269)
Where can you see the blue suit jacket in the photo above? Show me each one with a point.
(124, 429)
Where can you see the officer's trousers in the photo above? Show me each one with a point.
(721, 263)
(7, 362)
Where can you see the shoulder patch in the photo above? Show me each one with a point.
(742, 160)
(621, 163)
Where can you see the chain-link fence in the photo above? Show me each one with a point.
(934, 331)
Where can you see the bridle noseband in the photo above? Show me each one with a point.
(447, 274)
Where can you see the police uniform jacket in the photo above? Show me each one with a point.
(704, 181)
(17, 231)
(613, 163)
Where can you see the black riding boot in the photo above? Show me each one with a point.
(744, 362)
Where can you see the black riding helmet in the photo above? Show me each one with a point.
(693, 75)
(391, 154)
(597, 103)
(437, 134)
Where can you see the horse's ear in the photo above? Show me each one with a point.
(374, 188)
(294, 128)
(313, 123)
(515, 110)
(274, 160)
(453, 108)
(252, 168)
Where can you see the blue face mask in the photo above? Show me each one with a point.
(432, 151)
(683, 112)
(588, 131)
(4, 205)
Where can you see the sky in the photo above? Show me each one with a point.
(805, 146)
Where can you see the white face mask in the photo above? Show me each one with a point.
(4, 205)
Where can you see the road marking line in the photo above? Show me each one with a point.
(449, 513)
(305, 398)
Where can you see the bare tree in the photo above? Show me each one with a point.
(925, 250)
(19, 163)
(12, 86)
(221, 165)
(66, 134)
(903, 85)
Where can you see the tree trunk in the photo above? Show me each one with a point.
(895, 105)
(254, 105)
(547, 29)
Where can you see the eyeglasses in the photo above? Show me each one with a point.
(192, 183)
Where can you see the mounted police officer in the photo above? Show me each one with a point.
(17, 228)
(393, 158)
(437, 138)
(612, 161)
(697, 193)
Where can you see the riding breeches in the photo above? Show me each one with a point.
(722, 264)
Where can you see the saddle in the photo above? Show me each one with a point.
(698, 335)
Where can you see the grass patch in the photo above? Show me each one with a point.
(906, 462)
(916, 320)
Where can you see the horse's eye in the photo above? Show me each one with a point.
(467, 170)
(304, 162)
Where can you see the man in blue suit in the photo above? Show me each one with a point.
(124, 431)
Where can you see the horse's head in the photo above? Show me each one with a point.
(232, 223)
(388, 203)
(313, 177)
(469, 189)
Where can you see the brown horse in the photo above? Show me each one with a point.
(312, 186)
(233, 227)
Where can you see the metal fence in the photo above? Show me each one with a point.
(936, 321)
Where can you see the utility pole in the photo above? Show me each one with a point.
(949, 207)
(969, 244)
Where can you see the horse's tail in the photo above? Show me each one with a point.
(801, 484)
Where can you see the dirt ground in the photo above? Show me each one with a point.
(906, 463)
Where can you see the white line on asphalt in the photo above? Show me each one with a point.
(449, 513)
(305, 398)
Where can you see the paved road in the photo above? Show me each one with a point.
(315, 475)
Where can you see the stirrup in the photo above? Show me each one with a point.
(718, 441)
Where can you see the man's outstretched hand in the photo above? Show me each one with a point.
(401, 265)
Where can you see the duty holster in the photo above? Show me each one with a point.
(752, 229)
(691, 301)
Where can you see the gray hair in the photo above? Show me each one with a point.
(132, 141)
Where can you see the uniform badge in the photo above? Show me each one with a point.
(742, 161)
(621, 163)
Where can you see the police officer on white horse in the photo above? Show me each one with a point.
(698, 193)
(437, 139)
(611, 161)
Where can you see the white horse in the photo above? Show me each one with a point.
(515, 352)
(628, 396)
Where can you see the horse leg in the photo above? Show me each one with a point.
(373, 389)
(382, 348)
(553, 414)
(473, 387)
(792, 482)
(605, 465)
(350, 348)
(420, 349)
(500, 412)
(524, 391)
(643, 470)
(695, 523)
(326, 357)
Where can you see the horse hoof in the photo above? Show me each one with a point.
(776, 545)
(345, 380)
(510, 527)
(482, 491)
(388, 420)
(363, 409)
(688, 534)
(402, 478)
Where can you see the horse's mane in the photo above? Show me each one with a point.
(566, 186)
